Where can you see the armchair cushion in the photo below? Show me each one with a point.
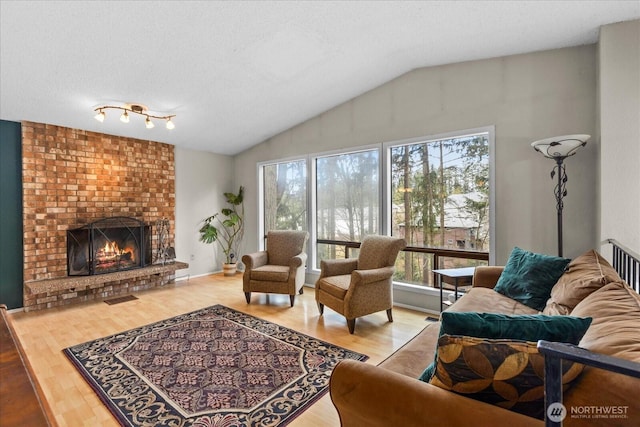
(336, 286)
(271, 273)
(528, 277)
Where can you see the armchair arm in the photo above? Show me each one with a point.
(337, 267)
(486, 276)
(255, 260)
(367, 395)
(370, 276)
(298, 261)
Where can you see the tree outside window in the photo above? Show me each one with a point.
(285, 196)
(347, 199)
(440, 199)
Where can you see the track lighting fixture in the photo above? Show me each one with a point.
(136, 109)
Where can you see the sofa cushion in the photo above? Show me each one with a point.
(485, 300)
(528, 277)
(585, 274)
(503, 372)
(615, 331)
(531, 327)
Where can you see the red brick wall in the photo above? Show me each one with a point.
(72, 177)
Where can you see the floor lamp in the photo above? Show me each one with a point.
(559, 148)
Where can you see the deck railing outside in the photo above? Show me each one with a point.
(436, 258)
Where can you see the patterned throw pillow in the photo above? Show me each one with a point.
(503, 372)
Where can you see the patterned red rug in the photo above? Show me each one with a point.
(211, 367)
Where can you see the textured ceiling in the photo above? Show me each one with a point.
(237, 73)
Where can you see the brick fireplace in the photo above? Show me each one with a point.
(72, 178)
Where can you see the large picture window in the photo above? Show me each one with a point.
(347, 199)
(284, 205)
(440, 199)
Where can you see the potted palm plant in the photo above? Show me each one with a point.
(227, 228)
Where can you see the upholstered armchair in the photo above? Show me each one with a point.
(357, 287)
(278, 270)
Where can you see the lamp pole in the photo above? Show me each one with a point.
(560, 191)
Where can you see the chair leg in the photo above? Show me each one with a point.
(389, 315)
(321, 308)
(351, 323)
(292, 298)
(301, 291)
(247, 296)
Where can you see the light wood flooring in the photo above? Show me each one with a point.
(45, 333)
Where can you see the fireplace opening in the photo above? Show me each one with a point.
(108, 245)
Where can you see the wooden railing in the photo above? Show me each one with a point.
(439, 254)
(436, 252)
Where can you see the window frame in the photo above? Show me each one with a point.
(489, 130)
(384, 188)
(260, 176)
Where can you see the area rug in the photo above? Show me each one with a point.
(212, 367)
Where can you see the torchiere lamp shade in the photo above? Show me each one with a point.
(560, 146)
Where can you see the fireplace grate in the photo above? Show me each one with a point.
(108, 245)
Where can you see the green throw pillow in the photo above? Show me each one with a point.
(529, 277)
(525, 327)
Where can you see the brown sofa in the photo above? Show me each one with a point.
(391, 394)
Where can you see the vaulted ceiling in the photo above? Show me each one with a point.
(238, 72)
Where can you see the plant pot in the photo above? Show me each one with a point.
(229, 269)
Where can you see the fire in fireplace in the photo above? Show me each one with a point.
(108, 245)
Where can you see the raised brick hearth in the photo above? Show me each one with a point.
(72, 177)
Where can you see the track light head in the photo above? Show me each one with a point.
(100, 116)
(124, 118)
(148, 123)
(170, 124)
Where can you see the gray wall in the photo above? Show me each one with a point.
(201, 178)
(527, 97)
(619, 92)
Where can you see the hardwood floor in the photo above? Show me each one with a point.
(45, 333)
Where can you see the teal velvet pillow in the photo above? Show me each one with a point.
(529, 277)
(525, 327)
